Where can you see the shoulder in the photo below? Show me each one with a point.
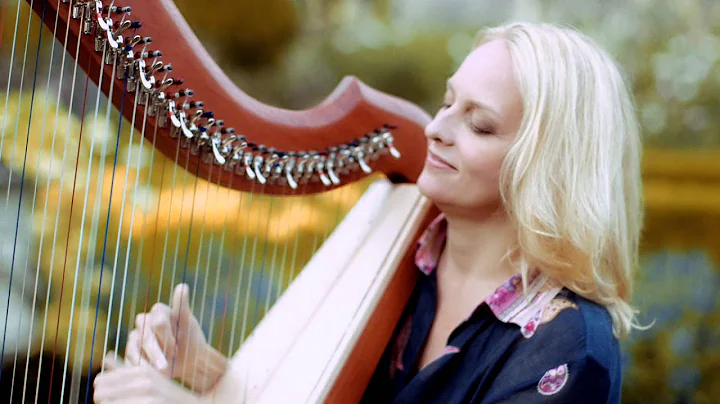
(577, 327)
(572, 353)
(573, 328)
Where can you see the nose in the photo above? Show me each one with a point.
(439, 129)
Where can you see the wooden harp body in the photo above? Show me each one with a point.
(323, 338)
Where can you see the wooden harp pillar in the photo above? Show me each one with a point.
(322, 339)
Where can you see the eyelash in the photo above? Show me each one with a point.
(479, 131)
(484, 131)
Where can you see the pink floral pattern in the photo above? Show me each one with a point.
(510, 302)
(505, 295)
(399, 347)
(450, 350)
(553, 380)
(430, 245)
(528, 330)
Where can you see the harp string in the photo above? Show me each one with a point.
(238, 289)
(146, 211)
(203, 295)
(76, 374)
(86, 273)
(7, 94)
(19, 206)
(119, 232)
(22, 188)
(27, 248)
(107, 229)
(260, 268)
(17, 122)
(187, 253)
(218, 272)
(130, 231)
(47, 189)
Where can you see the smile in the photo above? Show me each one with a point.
(435, 161)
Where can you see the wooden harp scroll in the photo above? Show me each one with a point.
(190, 100)
(322, 339)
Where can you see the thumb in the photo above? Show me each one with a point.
(181, 301)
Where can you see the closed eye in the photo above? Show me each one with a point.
(483, 130)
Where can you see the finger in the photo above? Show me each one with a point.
(162, 325)
(150, 347)
(162, 344)
(181, 301)
(142, 322)
(133, 348)
(112, 362)
(121, 384)
(161, 310)
(152, 350)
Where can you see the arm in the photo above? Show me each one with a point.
(580, 381)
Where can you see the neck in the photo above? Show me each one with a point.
(477, 247)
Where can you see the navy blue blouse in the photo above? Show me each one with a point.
(542, 344)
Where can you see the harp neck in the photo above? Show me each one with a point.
(147, 53)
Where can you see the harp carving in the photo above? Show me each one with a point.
(322, 339)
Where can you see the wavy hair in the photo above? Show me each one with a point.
(571, 181)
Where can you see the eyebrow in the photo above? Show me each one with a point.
(474, 103)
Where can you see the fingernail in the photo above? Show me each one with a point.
(161, 364)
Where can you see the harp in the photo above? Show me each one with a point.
(321, 339)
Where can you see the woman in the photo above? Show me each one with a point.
(533, 161)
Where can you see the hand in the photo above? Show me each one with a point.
(171, 340)
(125, 384)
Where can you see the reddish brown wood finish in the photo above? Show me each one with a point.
(352, 110)
(354, 378)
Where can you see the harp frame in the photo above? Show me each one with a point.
(322, 340)
(352, 132)
(339, 141)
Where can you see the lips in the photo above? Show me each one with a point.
(438, 162)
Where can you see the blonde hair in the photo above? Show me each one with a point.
(571, 181)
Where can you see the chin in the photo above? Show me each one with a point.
(439, 190)
(451, 194)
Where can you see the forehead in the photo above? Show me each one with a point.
(486, 76)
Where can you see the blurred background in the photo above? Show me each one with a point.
(79, 261)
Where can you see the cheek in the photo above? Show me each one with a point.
(481, 164)
(479, 177)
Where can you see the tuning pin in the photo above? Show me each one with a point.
(172, 114)
(257, 163)
(331, 173)
(393, 151)
(390, 140)
(165, 84)
(363, 165)
(247, 162)
(324, 178)
(126, 25)
(290, 177)
(147, 83)
(291, 180)
(359, 155)
(183, 125)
